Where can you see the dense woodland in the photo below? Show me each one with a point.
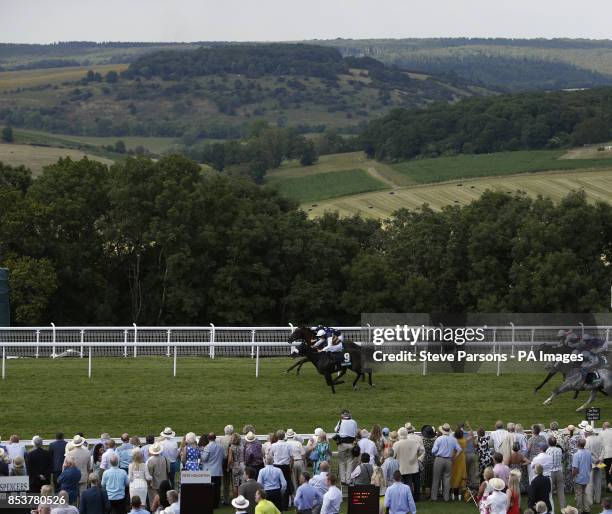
(494, 124)
(161, 242)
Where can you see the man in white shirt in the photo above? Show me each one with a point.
(606, 441)
(408, 451)
(557, 479)
(297, 451)
(367, 446)
(545, 460)
(280, 452)
(332, 499)
(346, 432)
(110, 450)
(498, 436)
(319, 482)
(170, 450)
(595, 446)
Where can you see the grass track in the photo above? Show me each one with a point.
(141, 396)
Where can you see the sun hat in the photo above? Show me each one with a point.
(167, 433)
(497, 483)
(570, 428)
(77, 441)
(250, 437)
(583, 424)
(290, 434)
(393, 436)
(190, 438)
(69, 447)
(445, 429)
(155, 449)
(569, 510)
(364, 434)
(240, 503)
(318, 432)
(408, 426)
(588, 429)
(18, 462)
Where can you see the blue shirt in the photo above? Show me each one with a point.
(139, 511)
(305, 497)
(399, 500)
(444, 446)
(124, 452)
(583, 462)
(390, 466)
(319, 482)
(115, 480)
(212, 459)
(69, 482)
(271, 478)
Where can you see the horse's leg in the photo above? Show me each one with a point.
(563, 388)
(304, 361)
(370, 378)
(359, 374)
(340, 375)
(330, 382)
(545, 381)
(576, 395)
(298, 365)
(589, 401)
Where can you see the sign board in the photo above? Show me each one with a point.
(14, 484)
(195, 477)
(593, 414)
(363, 499)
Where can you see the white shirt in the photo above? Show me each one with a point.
(170, 449)
(332, 500)
(606, 440)
(545, 460)
(595, 445)
(334, 347)
(368, 446)
(297, 449)
(104, 461)
(497, 502)
(346, 428)
(281, 453)
(497, 438)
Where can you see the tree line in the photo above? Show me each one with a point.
(162, 242)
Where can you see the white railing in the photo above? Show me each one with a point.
(211, 341)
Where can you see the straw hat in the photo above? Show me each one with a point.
(569, 510)
(18, 462)
(190, 438)
(570, 428)
(77, 441)
(408, 426)
(445, 429)
(364, 434)
(393, 436)
(497, 483)
(250, 437)
(69, 447)
(318, 432)
(240, 503)
(168, 433)
(290, 434)
(588, 429)
(583, 424)
(155, 449)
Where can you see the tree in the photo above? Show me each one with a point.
(309, 154)
(7, 134)
(120, 146)
(112, 77)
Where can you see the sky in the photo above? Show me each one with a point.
(44, 21)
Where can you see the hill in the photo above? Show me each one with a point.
(503, 64)
(216, 93)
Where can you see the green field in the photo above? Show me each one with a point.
(141, 396)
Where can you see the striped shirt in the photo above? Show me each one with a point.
(557, 458)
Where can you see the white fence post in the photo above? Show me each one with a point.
(498, 360)
(174, 363)
(252, 343)
(37, 344)
(135, 338)
(82, 340)
(512, 325)
(54, 340)
(211, 351)
(3, 362)
(168, 339)
(257, 362)
(89, 364)
(125, 342)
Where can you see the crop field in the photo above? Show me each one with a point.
(37, 157)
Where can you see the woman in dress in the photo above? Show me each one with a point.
(190, 453)
(484, 490)
(429, 438)
(514, 491)
(377, 438)
(235, 462)
(321, 451)
(139, 476)
(518, 462)
(378, 478)
(96, 459)
(483, 449)
(459, 470)
(569, 445)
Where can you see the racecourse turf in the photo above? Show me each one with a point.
(140, 396)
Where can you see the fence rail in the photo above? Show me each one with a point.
(211, 341)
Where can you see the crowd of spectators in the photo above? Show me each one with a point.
(499, 471)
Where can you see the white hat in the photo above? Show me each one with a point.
(77, 441)
(320, 332)
(69, 447)
(408, 426)
(168, 433)
(583, 424)
(445, 429)
(240, 503)
(364, 434)
(190, 438)
(588, 429)
(2, 453)
(497, 483)
(318, 432)
(250, 437)
(290, 434)
(155, 449)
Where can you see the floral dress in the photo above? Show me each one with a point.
(570, 445)
(192, 458)
(428, 461)
(323, 453)
(237, 468)
(483, 450)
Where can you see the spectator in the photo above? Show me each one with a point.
(362, 474)
(82, 460)
(408, 451)
(240, 503)
(149, 440)
(319, 482)
(429, 438)
(64, 506)
(190, 453)
(321, 452)
(96, 460)
(94, 500)
(170, 451)
(69, 479)
(445, 449)
(573, 510)
(160, 501)
(606, 504)
(305, 496)
(138, 475)
(544, 459)
(297, 457)
(332, 499)
(174, 506)
(225, 441)
(398, 497)
(606, 441)
(582, 463)
(115, 481)
(38, 461)
(539, 488)
(498, 436)
(159, 468)
(249, 487)
(497, 501)
(57, 450)
(459, 468)
(534, 445)
(519, 462)
(110, 451)
(273, 482)
(45, 490)
(557, 481)
(281, 457)
(235, 462)
(483, 450)
(136, 504)
(15, 448)
(264, 506)
(390, 465)
(346, 432)
(514, 492)
(367, 446)
(471, 458)
(253, 456)
(18, 467)
(377, 438)
(500, 470)
(212, 461)
(124, 451)
(595, 446)
(541, 508)
(4, 463)
(485, 489)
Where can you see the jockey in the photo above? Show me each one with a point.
(593, 350)
(334, 344)
(325, 335)
(567, 338)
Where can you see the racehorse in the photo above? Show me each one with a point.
(326, 363)
(301, 334)
(574, 382)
